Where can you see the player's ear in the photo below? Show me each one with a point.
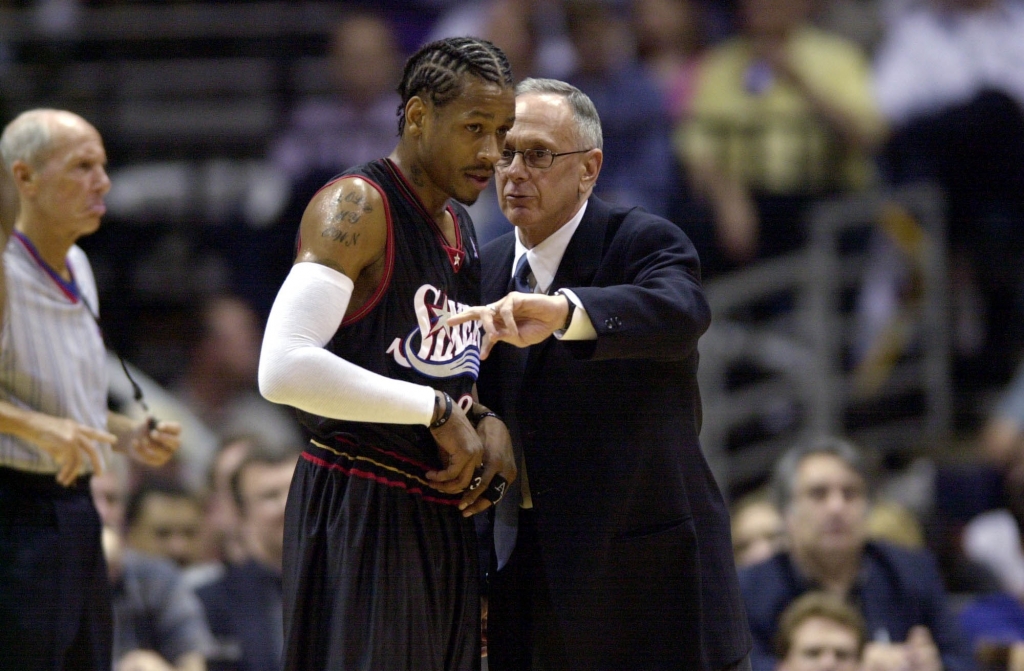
(415, 114)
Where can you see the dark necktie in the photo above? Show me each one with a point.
(506, 514)
(521, 278)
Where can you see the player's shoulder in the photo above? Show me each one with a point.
(345, 203)
(349, 190)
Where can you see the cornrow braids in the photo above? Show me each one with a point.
(438, 69)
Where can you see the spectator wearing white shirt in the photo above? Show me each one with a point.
(949, 77)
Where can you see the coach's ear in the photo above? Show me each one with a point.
(590, 168)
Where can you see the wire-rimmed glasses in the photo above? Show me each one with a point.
(534, 158)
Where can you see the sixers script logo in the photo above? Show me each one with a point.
(433, 348)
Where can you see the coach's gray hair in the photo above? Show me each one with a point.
(784, 478)
(588, 123)
(27, 137)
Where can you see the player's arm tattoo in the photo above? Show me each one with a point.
(349, 210)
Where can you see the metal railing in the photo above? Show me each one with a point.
(808, 369)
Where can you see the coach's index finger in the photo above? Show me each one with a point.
(475, 313)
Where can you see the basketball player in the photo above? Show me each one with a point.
(380, 568)
(55, 429)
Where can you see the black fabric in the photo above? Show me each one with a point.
(55, 611)
(381, 569)
(527, 635)
(243, 609)
(397, 334)
(631, 527)
(376, 578)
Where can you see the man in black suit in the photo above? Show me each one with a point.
(622, 556)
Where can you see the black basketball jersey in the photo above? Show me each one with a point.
(402, 332)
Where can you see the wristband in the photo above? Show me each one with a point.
(446, 415)
(477, 418)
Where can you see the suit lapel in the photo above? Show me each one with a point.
(498, 272)
(581, 259)
(583, 254)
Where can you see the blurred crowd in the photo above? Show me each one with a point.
(732, 119)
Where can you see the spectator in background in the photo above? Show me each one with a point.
(822, 490)
(219, 381)
(244, 607)
(669, 36)
(158, 622)
(757, 531)
(222, 518)
(639, 168)
(164, 519)
(355, 123)
(782, 114)
(820, 632)
(949, 77)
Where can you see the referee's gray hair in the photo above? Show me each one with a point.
(27, 137)
(588, 123)
(784, 477)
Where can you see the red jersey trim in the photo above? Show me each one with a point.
(366, 475)
(456, 253)
(389, 252)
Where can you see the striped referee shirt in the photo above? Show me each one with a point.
(51, 350)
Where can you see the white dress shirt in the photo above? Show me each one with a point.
(544, 260)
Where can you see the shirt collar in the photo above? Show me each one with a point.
(545, 257)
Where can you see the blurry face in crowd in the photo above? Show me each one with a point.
(168, 526)
(828, 511)
(264, 489)
(539, 201)
(821, 644)
(108, 495)
(459, 143)
(756, 533)
(67, 189)
(364, 59)
(664, 24)
(232, 342)
(222, 518)
(773, 18)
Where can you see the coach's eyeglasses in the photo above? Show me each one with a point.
(534, 158)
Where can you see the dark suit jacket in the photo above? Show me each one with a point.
(243, 608)
(633, 531)
(896, 590)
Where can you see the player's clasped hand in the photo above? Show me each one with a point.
(462, 451)
(497, 472)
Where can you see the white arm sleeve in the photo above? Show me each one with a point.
(296, 370)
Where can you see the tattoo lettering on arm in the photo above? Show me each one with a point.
(346, 238)
(349, 210)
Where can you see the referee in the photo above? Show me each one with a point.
(55, 429)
